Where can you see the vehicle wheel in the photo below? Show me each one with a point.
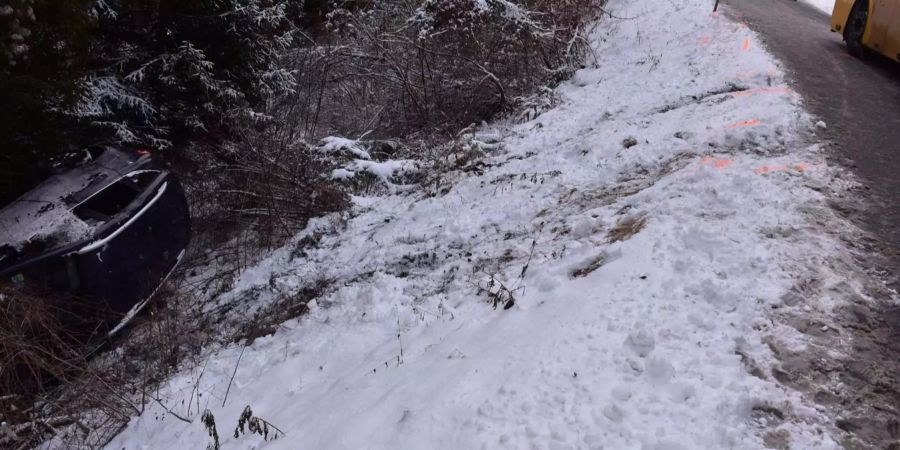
(856, 26)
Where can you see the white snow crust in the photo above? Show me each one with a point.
(639, 274)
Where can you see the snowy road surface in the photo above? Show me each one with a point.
(843, 91)
(644, 276)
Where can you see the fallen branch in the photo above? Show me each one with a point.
(232, 375)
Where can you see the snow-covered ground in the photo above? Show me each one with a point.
(634, 240)
(827, 6)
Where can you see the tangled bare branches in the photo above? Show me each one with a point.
(57, 388)
(402, 67)
(407, 70)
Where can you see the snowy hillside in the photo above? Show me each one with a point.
(605, 280)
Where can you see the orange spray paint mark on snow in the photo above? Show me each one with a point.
(799, 167)
(765, 90)
(766, 169)
(718, 163)
(725, 163)
(745, 123)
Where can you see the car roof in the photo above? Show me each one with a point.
(45, 212)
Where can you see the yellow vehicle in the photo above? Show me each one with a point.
(869, 25)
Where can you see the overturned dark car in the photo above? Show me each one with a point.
(108, 231)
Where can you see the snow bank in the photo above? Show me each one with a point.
(629, 281)
(334, 144)
(826, 6)
(384, 170)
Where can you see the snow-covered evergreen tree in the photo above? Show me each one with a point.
(169, 72)
(43, 47)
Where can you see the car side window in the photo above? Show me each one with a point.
(114, 198)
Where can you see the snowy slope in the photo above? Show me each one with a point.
(642, 276)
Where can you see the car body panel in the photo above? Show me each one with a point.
(891, 46)
(128, 268)
(882, 32)
(881, 21)
(840, 14)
